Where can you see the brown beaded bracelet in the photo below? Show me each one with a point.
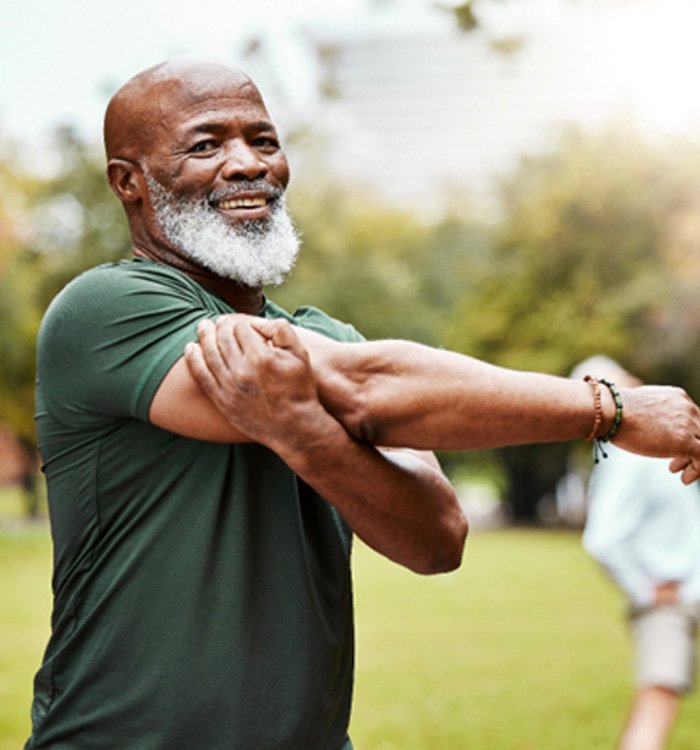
(595, 383)
(597, 406)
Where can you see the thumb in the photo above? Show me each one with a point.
(281, 334)
(284, 337)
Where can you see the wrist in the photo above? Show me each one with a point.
(607, 412)
(312, 436)
(614, 393)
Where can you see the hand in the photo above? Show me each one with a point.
(258, 376)
(662, 421)
(666, 593)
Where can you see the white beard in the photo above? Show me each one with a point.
(252, 252)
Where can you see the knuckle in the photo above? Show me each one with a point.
(246, 383)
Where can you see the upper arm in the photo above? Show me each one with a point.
(111, 347)
(180, 406)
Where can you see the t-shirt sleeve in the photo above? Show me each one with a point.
(109, 339)
(316, 320)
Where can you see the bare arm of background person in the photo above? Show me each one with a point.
(399, 393)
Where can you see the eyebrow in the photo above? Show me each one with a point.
(220, 127)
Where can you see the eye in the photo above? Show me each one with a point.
(202, 147)
(266, 143)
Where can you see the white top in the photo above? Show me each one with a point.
(644, 525)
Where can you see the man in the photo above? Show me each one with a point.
(202, 590)
(202, 594)
(644, 529)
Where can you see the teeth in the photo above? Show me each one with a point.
(243, 203)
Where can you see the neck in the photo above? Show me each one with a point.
(243, 299)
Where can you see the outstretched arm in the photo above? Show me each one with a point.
(402, 393)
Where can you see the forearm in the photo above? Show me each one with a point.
(397, 502)
(401, 393)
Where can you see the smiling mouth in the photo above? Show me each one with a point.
(232, 203)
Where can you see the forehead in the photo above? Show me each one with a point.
(187, 104)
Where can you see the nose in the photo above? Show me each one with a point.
(243, 161)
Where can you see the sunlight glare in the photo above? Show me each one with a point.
(648, 59)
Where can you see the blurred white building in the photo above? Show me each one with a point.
(417, 109)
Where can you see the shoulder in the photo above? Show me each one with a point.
(120, 276)
(111, 334)
(109, 290)
(318, 321)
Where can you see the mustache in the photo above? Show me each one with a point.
(258, 186)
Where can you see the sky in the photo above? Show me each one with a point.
(60, 60)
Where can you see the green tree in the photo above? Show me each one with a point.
(78, 221)
(52, 229)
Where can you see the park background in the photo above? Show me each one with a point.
(513, 179)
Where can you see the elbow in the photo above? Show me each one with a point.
(446, 550)
(348, 401)
(597, 548)
(360, 420)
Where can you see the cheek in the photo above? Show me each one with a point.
(191, 181)
(281, 171)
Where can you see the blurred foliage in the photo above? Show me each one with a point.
(52, 229)
(378, 268)
(78, 221)
(597, 250)
(19, 316)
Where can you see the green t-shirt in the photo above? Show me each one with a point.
(202, 591)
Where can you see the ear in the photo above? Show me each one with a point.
(124, 178)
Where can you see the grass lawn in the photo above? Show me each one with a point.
(522, 649)
(25, 602)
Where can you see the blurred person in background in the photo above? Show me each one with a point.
(643, 527)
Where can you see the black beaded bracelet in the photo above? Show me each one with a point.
(598, 449)
(618, 409)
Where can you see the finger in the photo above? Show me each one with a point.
(227, 341)
(249, 341)
(285, 337)
(199, 370)
(690, 474)
(206, 333)
(242, 351)
(264, 327)
(679, 463)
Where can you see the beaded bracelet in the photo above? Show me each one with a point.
(618, 409)
(597, 406)
(595, 383)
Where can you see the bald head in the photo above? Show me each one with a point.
(152, 98)
(190, 143)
